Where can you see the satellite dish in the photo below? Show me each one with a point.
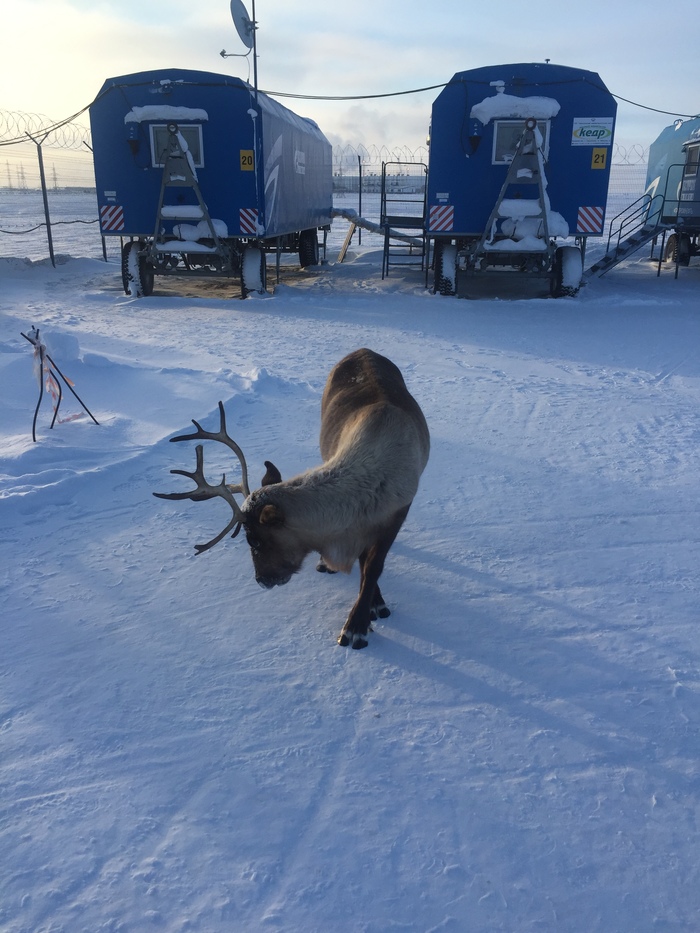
(245, 27)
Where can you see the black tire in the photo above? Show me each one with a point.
(137, 277)
(567, 272)
(555, 276)
(670, 248)
(445, 268)
(308, 248)
(437, 259)
(253, 271)
(684, 249)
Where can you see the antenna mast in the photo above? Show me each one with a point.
(246, 29)
(254, 29)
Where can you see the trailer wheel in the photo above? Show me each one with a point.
(670, 248)
(308, 248)
(445, 268)
(253, 271)
(567, 271)
(684, 249)
(137, 278)
(678, 249)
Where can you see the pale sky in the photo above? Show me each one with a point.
(56, 54)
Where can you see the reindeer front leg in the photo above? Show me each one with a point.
(369, 603)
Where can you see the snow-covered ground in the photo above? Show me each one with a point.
(518, 749)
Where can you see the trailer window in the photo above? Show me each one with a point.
(692, 161)
(506, 134)
(192, 135)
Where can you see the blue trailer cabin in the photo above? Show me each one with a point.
(666, 167)
(684, 243)
(689, 206)
(204, 175)
(519, 164)
(673, 189)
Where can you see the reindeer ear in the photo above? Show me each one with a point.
(272, 475)
(271, 516)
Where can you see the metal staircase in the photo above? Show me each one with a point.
(629, 231)
(402, 214)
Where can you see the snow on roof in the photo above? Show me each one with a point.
(164, 112)
(501, 106)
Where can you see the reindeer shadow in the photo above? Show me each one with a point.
(534, 659)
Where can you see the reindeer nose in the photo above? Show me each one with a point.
(269, 582)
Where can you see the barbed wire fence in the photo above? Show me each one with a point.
(70, 158)
(64, 147)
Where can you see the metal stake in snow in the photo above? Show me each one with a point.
(46, 373)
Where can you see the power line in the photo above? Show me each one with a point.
(668, 113)
(69, 135)
(419, 90)
(434, 87)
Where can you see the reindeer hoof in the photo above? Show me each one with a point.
(322, 568)
(354, 639)
(379, 611)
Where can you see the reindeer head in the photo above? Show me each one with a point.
(276, 551)
(276, 555)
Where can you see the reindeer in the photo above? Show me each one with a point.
(375, 444)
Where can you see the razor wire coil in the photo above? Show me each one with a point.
(17, 127)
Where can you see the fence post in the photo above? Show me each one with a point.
(44, 192)
(359, 198)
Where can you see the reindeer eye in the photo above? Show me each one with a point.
(253, 543)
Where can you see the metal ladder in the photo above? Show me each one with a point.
(527, 168)
(179, 172)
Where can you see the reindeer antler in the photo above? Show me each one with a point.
(205, 489)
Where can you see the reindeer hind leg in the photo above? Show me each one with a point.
(379, 609)
(370, 603)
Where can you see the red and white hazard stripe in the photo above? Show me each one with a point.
(111, 218)
(441, 218)
(249, 221)
(590, 220)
